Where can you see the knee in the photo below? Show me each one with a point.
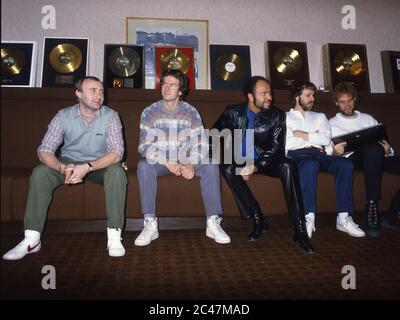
(373, 149)
(226, 170)
(116, 171)
(40, 172)
(210, 170)
(309, 166)
(346, 165)
(288, 164)
(144, 168)
(214, 169)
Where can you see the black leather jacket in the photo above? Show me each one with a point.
(269, 131)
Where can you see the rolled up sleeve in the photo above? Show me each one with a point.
(115, 142)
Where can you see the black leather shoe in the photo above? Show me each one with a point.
(372, 219)
(260, 225)
(303, 241)
(301, 237)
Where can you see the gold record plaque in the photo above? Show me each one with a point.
(345, 62)
(64, 61)
(123, 66)
(230, 66)
(18, 63)
(12, 61)
(178, 58)
(65, 58)
(286, 62)
(174, 59)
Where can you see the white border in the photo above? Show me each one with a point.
(32, 76)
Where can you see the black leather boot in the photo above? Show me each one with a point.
(260, 225)
(300, 235)
(372, 219)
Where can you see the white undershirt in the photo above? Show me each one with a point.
(342, 124)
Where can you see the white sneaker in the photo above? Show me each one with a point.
(310, 223)
(30, 244)
(215, 231)
(149, 232)
(114, 245)
(347, 225)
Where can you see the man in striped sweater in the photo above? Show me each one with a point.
(173, 141)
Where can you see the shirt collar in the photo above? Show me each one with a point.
(77, 112)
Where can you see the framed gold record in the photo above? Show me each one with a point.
(18, 63)
(64, 61)
(345, 62)
(175, 57)
(286, 62)
(230, 66)
(123, 66)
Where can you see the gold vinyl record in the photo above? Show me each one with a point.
(287, 60)
(229, 66)
(124, 61)
(348, 63)
(12, 61)
(175, 59)
(65, 58)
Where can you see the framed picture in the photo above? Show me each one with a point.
(18, 63)
(286, 62)
(150, 32)
(391, 70)
(345, 62)
(65, 61)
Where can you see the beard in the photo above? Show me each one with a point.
(347, 113)
(305, 106)
(260, 105)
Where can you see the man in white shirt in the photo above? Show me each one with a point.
(307, 135)
(372, 158)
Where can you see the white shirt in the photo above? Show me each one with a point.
(342, 124)
(315, 123)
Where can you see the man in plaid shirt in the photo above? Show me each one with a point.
(90, 136)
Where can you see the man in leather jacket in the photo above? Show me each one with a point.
(257, 116)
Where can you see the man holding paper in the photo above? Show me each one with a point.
(372, 158)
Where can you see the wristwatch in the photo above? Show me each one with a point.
(90, 166)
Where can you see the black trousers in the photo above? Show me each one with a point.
(283, 168)
(372, 161)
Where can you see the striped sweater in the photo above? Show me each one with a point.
(172, 135)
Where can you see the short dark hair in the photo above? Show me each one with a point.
(78, 84)
(343, 88)
(297, 89)
(183, 80)
(251, 84)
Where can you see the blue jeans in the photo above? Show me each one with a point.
(209, 185)
(310, 161)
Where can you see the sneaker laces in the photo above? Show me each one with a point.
(216, 222)
(148, 226)
(349, 221)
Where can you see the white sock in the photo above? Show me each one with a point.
(214, 216)
(343, 215)
(311, 215)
